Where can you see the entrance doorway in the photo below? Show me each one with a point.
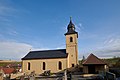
(91, 69)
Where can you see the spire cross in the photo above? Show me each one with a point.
(70, 18)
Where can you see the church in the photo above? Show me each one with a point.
(54, 60)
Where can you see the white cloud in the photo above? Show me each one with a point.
(6, 11)
(13, 50)
(61, 47)
(6, 14)
(38, 49)
(108, 49)
(79, 27)
(12, 32)
(111, 48)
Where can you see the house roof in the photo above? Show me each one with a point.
(93, 60)
(8, 70)
(46, 54)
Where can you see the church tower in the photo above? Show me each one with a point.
(71, 45)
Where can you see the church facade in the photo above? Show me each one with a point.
(54, 60)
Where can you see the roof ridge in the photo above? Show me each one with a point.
(58, 53)
(99, 58)
(48, 50)
(87, 58)
(92, 55)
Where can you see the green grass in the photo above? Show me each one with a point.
(112, 61)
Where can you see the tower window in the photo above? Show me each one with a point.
(60, 65)
(73, 65)
(71, 39)
(44, 66)
(28, 65)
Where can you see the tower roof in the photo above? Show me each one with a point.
(71, 25)
(71, 28)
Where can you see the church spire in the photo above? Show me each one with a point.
(71, 25)
(70, 18)
(71, 28)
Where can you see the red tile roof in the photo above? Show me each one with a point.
(8, 70)
(92, 59)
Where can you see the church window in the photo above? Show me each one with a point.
(28, 65)
(73, 65)
(71, 39)
(60, 65)
(43, 65)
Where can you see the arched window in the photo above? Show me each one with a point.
(28, 65)
(43, 65)
(60, 65)
(71, 39)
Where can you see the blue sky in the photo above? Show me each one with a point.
(40, 24)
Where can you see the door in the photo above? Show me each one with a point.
(91, 69)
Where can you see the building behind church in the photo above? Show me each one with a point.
(54, 60)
